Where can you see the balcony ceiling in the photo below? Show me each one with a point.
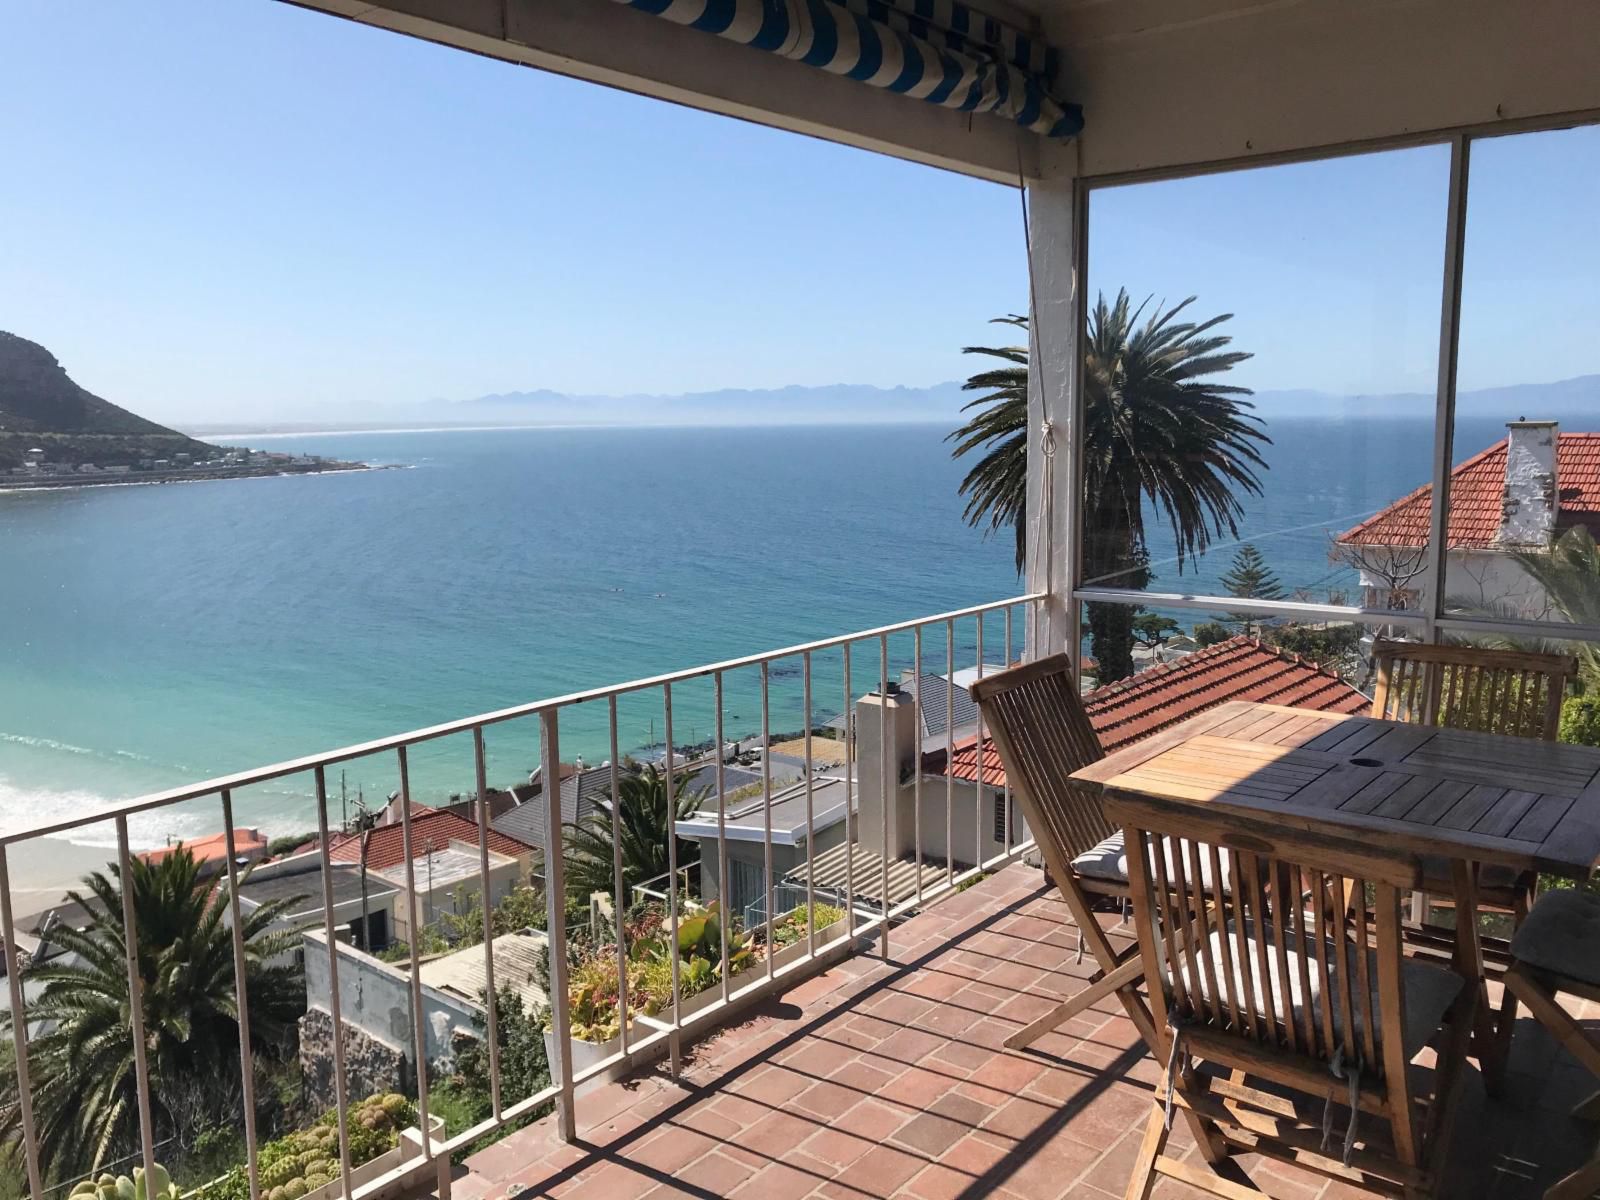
(1165, 84)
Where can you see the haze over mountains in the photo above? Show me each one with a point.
(856, 403)
(1563, 397)
(37, 396)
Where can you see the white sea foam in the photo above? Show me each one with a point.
(44, 743)
(22, 807)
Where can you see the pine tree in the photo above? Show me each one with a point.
(1250, 579)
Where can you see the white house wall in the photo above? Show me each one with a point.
(971, 822)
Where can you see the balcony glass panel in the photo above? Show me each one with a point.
(1316, 291)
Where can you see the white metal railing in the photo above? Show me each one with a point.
(662, 1031)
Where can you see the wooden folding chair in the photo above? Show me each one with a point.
(1043, 735)
(1557, 949)
(1486, 691)
(1275, 983)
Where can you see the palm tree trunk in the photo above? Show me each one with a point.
(1111, 559)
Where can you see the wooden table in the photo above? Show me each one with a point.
(1474, 797)
(1471, 798)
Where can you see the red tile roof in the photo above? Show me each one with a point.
(213, 850)
(1240, 668)
(387, 848)
(1476, 489)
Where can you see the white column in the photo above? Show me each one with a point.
(1054, 336)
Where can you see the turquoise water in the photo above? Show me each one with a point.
(156, 635)
(153, 636)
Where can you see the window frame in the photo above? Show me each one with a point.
(1430, 622)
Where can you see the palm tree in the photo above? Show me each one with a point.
(642, 822)
(81, 1059)
(1157, 431)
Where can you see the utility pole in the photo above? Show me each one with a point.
(364, 823)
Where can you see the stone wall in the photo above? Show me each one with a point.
(371, 1063)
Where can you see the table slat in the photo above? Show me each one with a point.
(1473, 797)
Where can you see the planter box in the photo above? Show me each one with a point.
(587, 1054)
(387, 1161)
(408, 1148)
(825, 936)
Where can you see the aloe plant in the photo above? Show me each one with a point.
(594, 1004)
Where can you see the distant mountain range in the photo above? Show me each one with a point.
(38, 398)
(846, 402)
(1530, 400)
(837, 402)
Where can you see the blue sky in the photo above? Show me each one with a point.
(248, 210)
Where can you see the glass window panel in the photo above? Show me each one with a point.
(1313, 656)
(1316, 287)
(1525, 488)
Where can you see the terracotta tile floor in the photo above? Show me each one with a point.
(888, 1079)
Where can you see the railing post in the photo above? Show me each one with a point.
(977, 831)
(811, 831)
(1006, 795)
(492, 995)
(916, 762)
(949, 753)
(722, 839)
(555, 897)
(766, 812)
(675, 955)
(618, 883)
(130, 941)
(419, 1026)
(885, 749)
(242, 1000)
(849, 801)
(19, 1032)
(340, 1085)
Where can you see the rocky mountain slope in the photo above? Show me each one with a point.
(40, 405)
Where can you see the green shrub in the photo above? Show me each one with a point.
(1580, 720)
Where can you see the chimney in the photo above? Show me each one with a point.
(1529, 503)
(903, 748)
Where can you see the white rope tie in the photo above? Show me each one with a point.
(1047, 439)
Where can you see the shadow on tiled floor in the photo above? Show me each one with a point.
(888, 1079)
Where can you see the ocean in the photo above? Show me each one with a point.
(152, 636)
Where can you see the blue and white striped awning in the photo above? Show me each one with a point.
(940, 51)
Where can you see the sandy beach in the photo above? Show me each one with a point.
(44, 868)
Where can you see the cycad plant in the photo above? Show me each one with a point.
(81, 1052)
(1159, 431)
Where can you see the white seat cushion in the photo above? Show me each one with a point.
(1562, 935)
(1109, 862)
(1429, 990)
